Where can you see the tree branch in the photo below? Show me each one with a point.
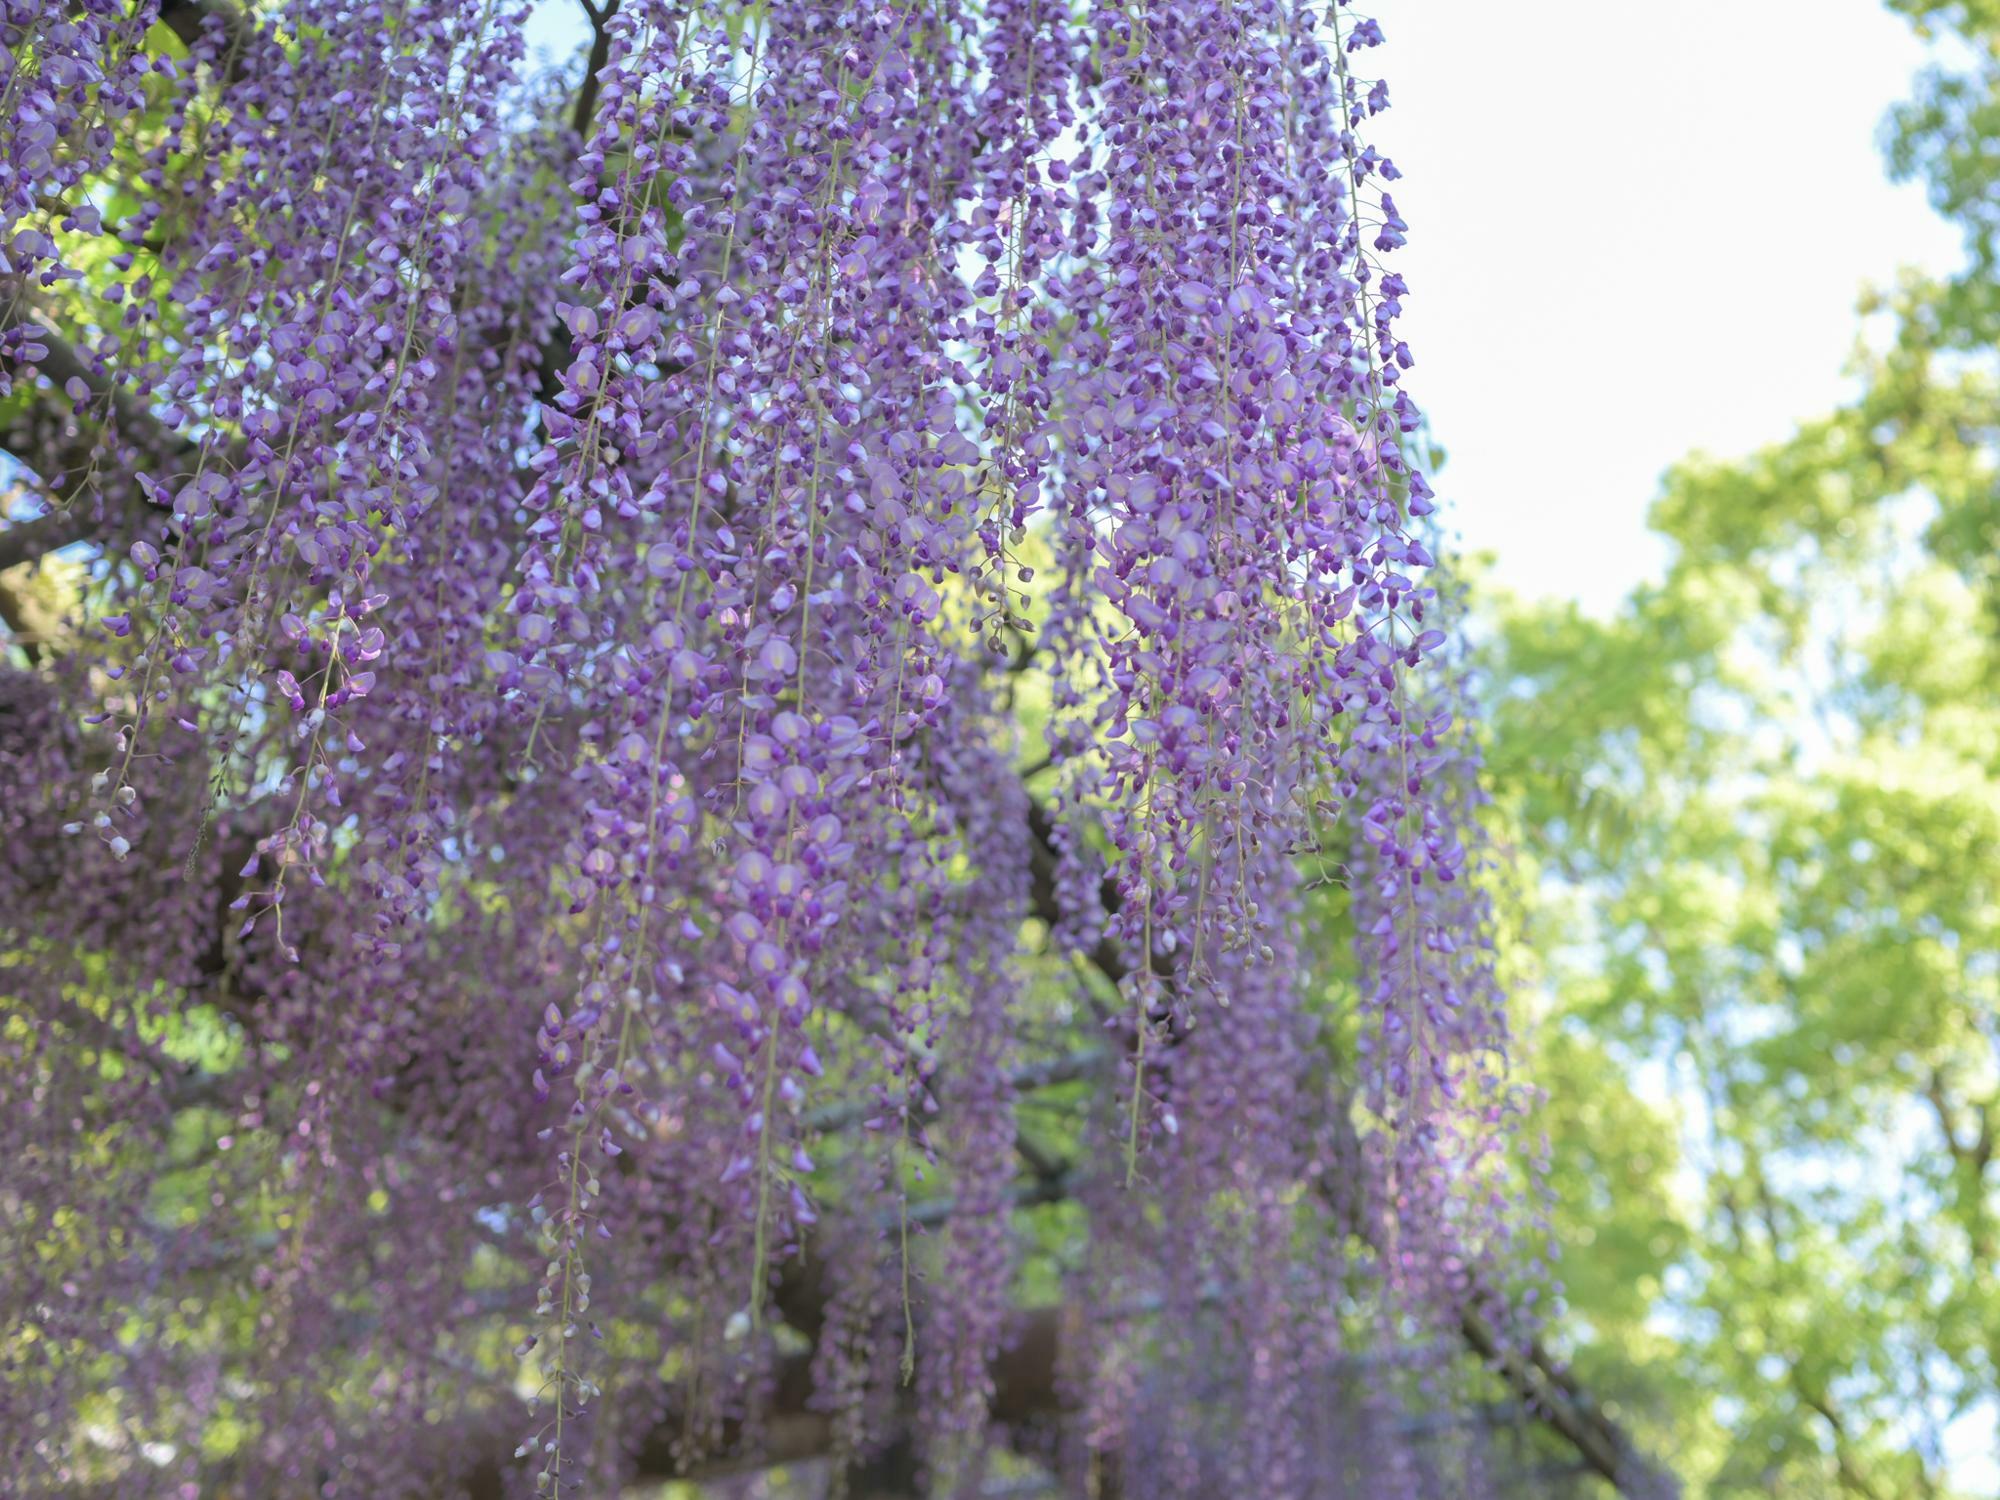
(66, 461)
(31, 541)
(1572, 1415)
(1849, 1473)
(600, 53)
(185, 19)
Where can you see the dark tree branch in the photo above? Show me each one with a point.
(600, 53)
(1849, 1473)
(1555, 1401)
(1108, 957)
(1030, 1076)
(66, 458)
(30, 541)
(14, 616)
(185, 19)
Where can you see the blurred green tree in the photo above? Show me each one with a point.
(1759, 813)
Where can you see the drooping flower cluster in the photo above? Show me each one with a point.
(531, 838)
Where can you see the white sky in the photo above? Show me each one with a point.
(1636, 230)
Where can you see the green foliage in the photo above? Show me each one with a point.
(1762, 808)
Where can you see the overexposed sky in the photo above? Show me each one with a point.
(1635, 230)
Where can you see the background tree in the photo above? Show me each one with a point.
(1764, 804)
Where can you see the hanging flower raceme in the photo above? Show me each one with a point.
(572, 591)
(1235, 482)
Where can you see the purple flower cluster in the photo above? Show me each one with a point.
(549, 711)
